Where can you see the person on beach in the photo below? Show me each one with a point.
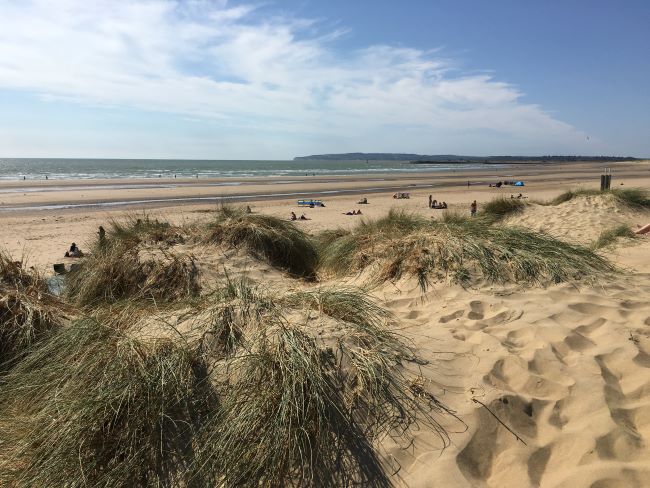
(293, 216)
(303, 217)
(472, 208)
(74, 252)
(248, 209)
(430, 201)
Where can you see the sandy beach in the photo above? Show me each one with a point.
(564, 367)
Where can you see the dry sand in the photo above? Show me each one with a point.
(566, 368)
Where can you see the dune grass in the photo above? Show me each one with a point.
(297, 395)
(500, 207)
(635, 198)
(609, 236)
(118, 269)
(274, 240)
(27, 311)
(136, 228)
(94, 407)
(456, 247)
(309, 388)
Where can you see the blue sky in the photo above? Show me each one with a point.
(255, 80)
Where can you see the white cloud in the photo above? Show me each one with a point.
(206, 59)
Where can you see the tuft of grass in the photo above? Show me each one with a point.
(137, 228)
(310, 386)
(277, 241)
(635, 198)
(95, 407)
(609, 236)
(298, 395)
(117, 270)
(500, 207)
(459, 247)
(28, 313)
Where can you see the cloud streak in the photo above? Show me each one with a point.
(251, 73)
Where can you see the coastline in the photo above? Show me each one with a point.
(56, 195)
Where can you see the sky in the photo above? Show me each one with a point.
(217, 79)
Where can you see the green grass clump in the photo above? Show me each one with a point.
(277, 241)
(308, 388)
(609, 236)
(28, 312)
(635, 198)
(297, 390)
(401, 244)
(95, 407)
(137, 228)
(118, 270)
(500, 207)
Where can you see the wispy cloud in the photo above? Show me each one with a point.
(232, 64)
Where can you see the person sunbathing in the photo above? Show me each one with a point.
(363, 201)
(293, 216)
(303, 217)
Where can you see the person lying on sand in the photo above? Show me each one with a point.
(643, 230)
(74, 252)
(303, 217)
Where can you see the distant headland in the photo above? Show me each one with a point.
(452, 158)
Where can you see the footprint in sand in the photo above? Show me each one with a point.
(447, 318)
(477, 309)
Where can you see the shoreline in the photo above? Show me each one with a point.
(55, 195)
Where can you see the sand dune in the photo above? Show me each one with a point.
(579, 220)
(565, 369)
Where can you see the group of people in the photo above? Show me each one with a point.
(353, 212)
(436, 204)
(294, 217)
(518, 196)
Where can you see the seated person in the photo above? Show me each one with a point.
(303, 217)
(293, 216)
(74, 252)
(248, 209)
(363, 201)
(359, 212)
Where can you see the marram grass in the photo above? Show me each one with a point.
(277, 241)
(118, 270)
(634, 198)
(610, 236)
(311, 384)
(28, 312)
(295, 390)
(456, 247)
(94, 407)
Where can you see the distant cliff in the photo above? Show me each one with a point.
(451, 158)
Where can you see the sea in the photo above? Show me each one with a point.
(69, 169)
